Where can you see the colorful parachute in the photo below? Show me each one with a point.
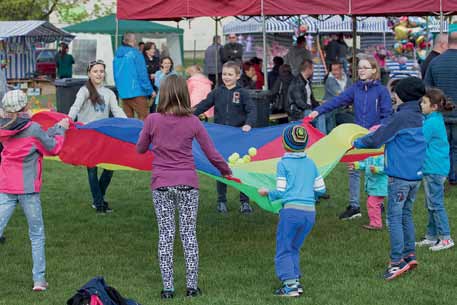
(110, 143)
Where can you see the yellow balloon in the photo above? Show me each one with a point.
(420, 40)
(401, 32)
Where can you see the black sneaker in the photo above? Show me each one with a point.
(100, 211)
(191, 292)
(350, 213)
(245, 208)
(107, 208)
(2, 239)
(167, 294)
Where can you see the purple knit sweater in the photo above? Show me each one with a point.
(171, 138)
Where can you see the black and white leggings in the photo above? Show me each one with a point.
(165, 200)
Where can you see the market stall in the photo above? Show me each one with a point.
(17, 45)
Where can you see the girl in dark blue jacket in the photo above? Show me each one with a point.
(371, 104)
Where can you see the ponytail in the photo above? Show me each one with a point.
(438, 98)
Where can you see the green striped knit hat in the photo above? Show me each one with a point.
(295, 138)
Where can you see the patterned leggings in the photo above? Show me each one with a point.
(166, 199)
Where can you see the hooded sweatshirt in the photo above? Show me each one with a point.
(24, 144)
(199, 87)
(130, 74)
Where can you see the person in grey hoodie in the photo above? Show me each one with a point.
(213, 62)
(297, 55)
(337, 81)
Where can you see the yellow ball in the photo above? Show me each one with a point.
(234, 157)
(246, 158)
(252, 151)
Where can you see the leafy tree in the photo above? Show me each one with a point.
(68, 11)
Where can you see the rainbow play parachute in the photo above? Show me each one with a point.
(110, 143)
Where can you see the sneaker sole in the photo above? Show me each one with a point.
(441, 248)
(352, 217)
(412, 265)
(399, 273)
(292, 294)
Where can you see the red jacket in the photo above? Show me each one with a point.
(24, 144)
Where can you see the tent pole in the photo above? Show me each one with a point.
(116, 37)
(441, 17)
(354, 48)
(264, 37)
(216, 20)
(427, 24)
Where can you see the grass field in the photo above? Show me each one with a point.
(341, 262)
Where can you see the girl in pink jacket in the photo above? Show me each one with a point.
(24, 143)
(199, 86)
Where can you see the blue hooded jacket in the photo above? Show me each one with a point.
(298, 182)
(404, 153)
(370, 99)
(375, 183)
(130, 74)
(437, 155)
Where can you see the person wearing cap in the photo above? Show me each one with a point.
(24, 144)
(64, 62)
(441, 73)
(404, 154)
(298, 183)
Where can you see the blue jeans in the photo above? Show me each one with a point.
(222, 193)
(451, 130)
(98, 186)
(318, 122)
(402, 194)
(438, 223)
(31, 206)
(293, 227)
(354, 188)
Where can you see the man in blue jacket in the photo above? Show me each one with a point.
(404, 155)
(131, 77)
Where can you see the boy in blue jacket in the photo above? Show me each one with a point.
(234, 107)
(404, 155)
(298, 183)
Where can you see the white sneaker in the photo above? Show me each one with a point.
(40, 286)
(443, 245)
(424, 242)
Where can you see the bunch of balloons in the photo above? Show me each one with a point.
(300, 29)
(411, 35)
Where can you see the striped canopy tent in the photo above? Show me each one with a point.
(17, 39)
(322, 24)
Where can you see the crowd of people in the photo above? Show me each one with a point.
(415, 120)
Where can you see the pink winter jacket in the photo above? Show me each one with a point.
(24, 144)
(199, 86)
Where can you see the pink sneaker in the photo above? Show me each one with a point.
(40, 286)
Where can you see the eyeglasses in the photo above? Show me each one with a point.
(96, 62)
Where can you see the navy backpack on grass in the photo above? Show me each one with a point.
(106, 294)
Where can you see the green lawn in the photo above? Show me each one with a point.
(341, 262)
